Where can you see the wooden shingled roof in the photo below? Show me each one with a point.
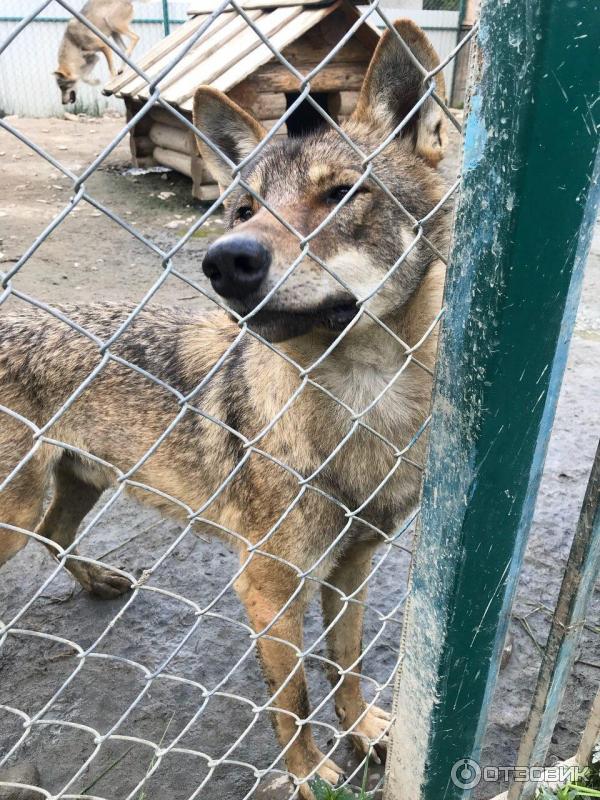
(207, 6)
(227, 52)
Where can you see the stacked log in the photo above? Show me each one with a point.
(347, 104)
(266, 107)
(161, 138)
(139, 142)
(174, 147)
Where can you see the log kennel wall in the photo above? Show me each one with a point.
(231, 57)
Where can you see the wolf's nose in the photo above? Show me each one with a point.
(236, 265)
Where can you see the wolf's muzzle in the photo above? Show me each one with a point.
(236, 265)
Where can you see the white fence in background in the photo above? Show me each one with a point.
(441, 28)
(27, 85)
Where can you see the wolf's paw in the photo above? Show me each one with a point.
(372, 733)
(328, 771)
(100, 581)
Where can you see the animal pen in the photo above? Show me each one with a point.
(227, 57)
(525, 205)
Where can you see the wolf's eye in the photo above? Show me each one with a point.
(244, 213)
(337, 193)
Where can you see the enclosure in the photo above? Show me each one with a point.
(230, 58)
(159, 693)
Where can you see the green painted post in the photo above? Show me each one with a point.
(529, 198)
(166, 19)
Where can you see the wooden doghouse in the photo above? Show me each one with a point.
(231, 57)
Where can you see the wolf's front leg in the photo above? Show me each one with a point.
(107, 52)
(264, 587)
(133, 40)
(368, 726)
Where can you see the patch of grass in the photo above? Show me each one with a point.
(593, 771)
(570, 791)
(104, 772)
(202, 233)
(586, 785)
(142, 795)
(91, 108)
(325, 791)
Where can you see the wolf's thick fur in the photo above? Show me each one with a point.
(122, 412)
(79, 47)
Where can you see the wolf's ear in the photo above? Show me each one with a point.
(229, 127)
(394, 84)
(62, 73)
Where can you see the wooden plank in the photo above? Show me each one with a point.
(368, 33)
(145, 161)
(220, 40)
(207, 193)
(347, 103)
(243, 67)
(332, 78)
(308, 50)
(200, 174)
(159, 50)
(207, 6)
(166, 55)
(177, 161)
(162, 115)
(172, 138)
(270, 123)
(144, 146)
(318, 42)
(139, 144)
(209, 69)
(268, 105)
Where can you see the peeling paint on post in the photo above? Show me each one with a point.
(528, 201)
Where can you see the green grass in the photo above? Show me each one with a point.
(325, 791)
(586, 785)
(92, 108)
(104, 772)
(142, 795)
(570, 791)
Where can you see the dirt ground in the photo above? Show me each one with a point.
(89, 257)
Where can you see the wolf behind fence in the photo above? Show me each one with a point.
(79, 48)
(292, 427)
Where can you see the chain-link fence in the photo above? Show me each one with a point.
(286, 420)
(28, 86)
(303, 453)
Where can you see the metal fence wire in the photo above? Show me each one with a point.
(113, 747)
(28, 86)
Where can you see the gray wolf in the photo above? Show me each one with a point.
(286, 510)
(79, 47)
